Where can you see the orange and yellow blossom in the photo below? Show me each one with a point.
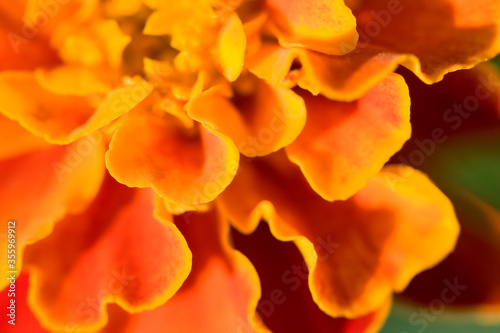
(136, 132)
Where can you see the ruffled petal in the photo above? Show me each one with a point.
(345, 78)
(286, 304)
(62, 119)
(341, 78)
(220, 294)
(358, 251)
(439, 36)
(343, 145)
(455, 141)
(114, 252)
(184, 166)
(39, 188)
(322, 26)
(231, 45)
(260, 121)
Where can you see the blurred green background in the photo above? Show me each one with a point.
(398, 322)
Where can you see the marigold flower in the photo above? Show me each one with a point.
(142, 139)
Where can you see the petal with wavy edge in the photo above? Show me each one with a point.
(62, 119)
(439, 36)
(114, 252)
(39, 188)
(358, 250)
(286, 304)
(343, 145)
(259, 122)
(341, 78)
(221, 292)
(184, 166)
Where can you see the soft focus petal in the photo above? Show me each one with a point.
(122, 7)
(259, 122)
(99, 44)
(440, 36)
(184, 166)
(116, 251)
(47, 17)
(39, 188)
(20, 141)
(343, 145)
(322, 25)
(220, 294)
(84, 81)
(18, 40)
(358, 250)
(62, 119)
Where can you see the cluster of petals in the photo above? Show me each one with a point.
(138, 137)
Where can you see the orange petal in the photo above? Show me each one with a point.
(345, 78)
(24, 320)
(272, 62)
(441, 36)
(260, 121)
(22, 47)
(58, 13)
(231, 44)
(192, 28)
(343, 145)
(17, 140)
(177, 209)
(358, 251)
(185, 167)
(62, 119)
(341, 78)
(84, 81)
(320, 25)
(40, 188)
(98, 44)
(286, 304)
(221, 292)
(122, 8)
(115, 252)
